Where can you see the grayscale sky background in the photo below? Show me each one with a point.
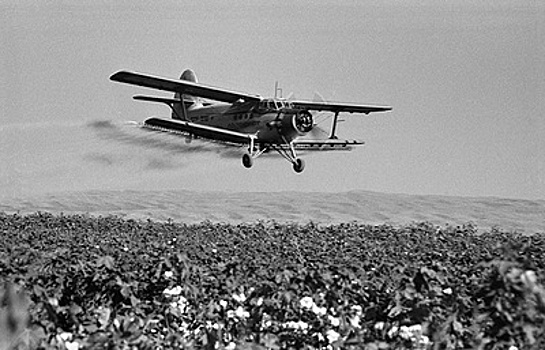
(466, 80)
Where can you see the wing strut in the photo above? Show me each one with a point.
(332, 136)
(184, 108)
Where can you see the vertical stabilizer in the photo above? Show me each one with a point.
(188, 100)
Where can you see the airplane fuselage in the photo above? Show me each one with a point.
(272, 121)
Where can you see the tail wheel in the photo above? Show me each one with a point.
(298, 165)
(247, 160)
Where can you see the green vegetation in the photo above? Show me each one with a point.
(112, 283)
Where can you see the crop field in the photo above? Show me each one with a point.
(83, 282)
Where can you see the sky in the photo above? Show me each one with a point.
(466, 81)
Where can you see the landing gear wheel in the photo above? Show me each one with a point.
(247, 160)
(298, 165)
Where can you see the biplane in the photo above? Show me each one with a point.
(235, 118)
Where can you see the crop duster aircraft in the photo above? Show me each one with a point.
(261, 124)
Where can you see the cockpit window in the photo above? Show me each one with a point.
(275, 104)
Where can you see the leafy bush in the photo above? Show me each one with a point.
(111, 283)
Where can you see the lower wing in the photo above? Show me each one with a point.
(326, 145)
(239, 138)
(198, 130)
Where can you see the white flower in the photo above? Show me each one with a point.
(512, 347)
(259, 301)
(184, 328)
(357, 309)
(306, 302)
(241, 313)
(169, 274)
(72, 345)
(447, 291)
(320, 336)
(335, 322)
(393, 331)
(320, 311)
(379, 326)
(223, 303)
(174, 291)
(529, 279)
(231, 346)
(180, 304)
(267, 324)
(211, 325)
(415, 329)
(413, 332)
(424, 340)
(404, 332)
(65, 336)
(355, 321)
(296, 325)
(240, 297)
(332, 336)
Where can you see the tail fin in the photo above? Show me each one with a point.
(188, 100)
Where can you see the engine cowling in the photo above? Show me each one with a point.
(297, 123)
(303, 122)
(288, 125)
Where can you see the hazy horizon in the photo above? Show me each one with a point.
(466, 81)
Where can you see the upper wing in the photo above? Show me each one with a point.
(182, 86)
(340, 107)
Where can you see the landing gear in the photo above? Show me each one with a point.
(253, 152)
(286, 150)
(247, 160)
(289, 154)
(298, 165)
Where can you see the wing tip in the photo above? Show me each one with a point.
(121, 74)
(117, 75)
